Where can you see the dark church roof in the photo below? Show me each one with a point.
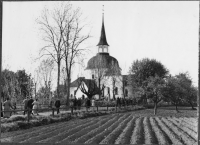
(103, 40)
(102, 60)
(91, 84)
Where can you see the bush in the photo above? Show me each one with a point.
(16, 118)
(105, 103)
(6, 127)
(23, 124)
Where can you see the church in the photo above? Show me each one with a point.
(102, 77)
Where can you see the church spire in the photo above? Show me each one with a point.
(103, 40)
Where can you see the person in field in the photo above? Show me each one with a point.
(79, 103)
(57, 105)
(7, 107)
(93, 103)
(75, 102)
(1, 110)
(35, 107)
(30, 105)
(25, 102)
(14, 107)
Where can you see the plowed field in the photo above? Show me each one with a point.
(121, 128)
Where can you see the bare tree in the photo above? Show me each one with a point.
(44, 76)
(45, 71)
(91, 89)
(53, 28)
(72, 39)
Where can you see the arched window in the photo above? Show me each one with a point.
(116, 91)
(93, 76)
(126, 93)
(100, 50)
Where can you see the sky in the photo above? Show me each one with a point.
(166, 31)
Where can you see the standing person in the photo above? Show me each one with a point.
(35, 106)
(79, 103)
(88, 103)
(1, 110)
(71, 104)
(51, 103)
(30, 105)
(75, 102)
(14, 107)
(93, 103)
(25, 102)
(57, 105)
(7, 105)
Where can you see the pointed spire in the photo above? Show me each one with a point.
(103, 40)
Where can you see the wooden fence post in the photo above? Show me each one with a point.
(28, 115)
(71, 110)
(53, 112)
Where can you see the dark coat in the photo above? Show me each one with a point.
(30, 103)
(57, 104)
(75, 102)
(1, 110)
(88, 103)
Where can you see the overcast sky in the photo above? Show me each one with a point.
(166, 31)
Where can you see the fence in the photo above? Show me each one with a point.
(72, 110)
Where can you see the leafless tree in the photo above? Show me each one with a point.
(45, 71)
(52, 28)
(91, 89)
(63, 31)
(72, 39)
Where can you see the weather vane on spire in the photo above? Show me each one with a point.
(103, 8)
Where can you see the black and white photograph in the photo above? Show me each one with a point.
(100, 72)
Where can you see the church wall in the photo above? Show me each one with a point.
(107, 81)
(78, 93)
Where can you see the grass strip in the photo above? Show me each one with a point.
(110, 139)
(137, 135)
(46, 135)
(96, 131)
(183, 136)
(125, 136)
(161, 136)
(189, 131)
(149, 135)
(73, 135)
(99, 137)
(172, 135)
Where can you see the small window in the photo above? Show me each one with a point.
(93, 76)
(116, 91)
(100, 50)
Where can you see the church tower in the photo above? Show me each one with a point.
(103, 60)
(103, 44)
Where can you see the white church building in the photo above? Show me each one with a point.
(104, 73)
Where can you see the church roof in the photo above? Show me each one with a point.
(103, 40)
(88, 82)
(102, 60)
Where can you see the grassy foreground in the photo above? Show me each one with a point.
(134, 127)
(20, 122)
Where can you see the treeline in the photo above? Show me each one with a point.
(16, 85)
(151, 80)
